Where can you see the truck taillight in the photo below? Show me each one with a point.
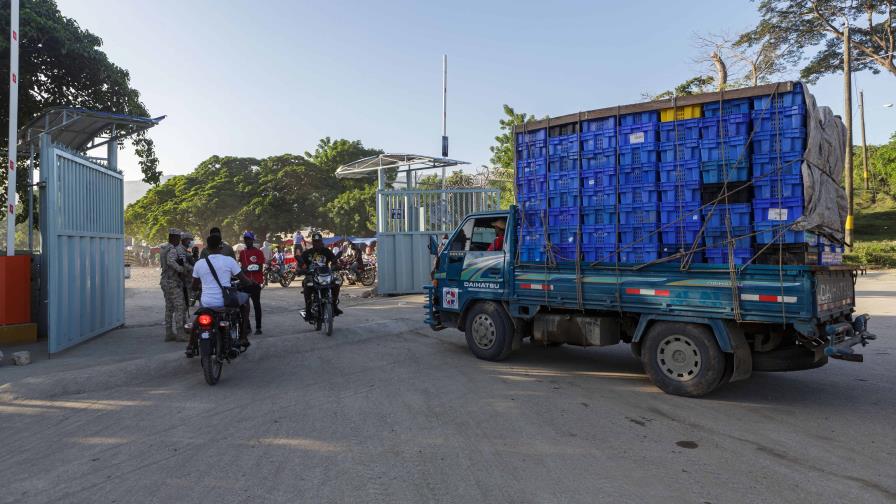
(205, 320)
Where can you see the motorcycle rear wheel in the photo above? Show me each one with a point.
(211, 363)
(368, 277)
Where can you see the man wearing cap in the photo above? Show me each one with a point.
(226, 249)
(252, 262)
(498, 243)
(172, 285)
(184, 252)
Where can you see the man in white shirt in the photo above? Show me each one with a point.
(225, 267)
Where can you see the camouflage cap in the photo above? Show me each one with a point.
(186, 235)
(173, 231)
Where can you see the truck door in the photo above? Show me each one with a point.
(474, 260)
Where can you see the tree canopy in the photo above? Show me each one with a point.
(811, 32)
(503, 155)
(61, 63)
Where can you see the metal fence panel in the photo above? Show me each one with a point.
(82, 228)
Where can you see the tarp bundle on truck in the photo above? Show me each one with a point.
(735, 177)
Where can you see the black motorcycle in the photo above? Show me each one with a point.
(282, 274)
(323, 302)
(365, 277)
(218, 334)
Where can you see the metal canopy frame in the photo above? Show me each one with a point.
(394, 161)
(81, 129)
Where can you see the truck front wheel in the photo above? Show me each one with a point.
(682, 359)
(489, 332)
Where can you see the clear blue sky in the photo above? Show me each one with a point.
(262, 78)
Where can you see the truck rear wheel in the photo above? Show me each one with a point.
(489, 332)
(683, 359)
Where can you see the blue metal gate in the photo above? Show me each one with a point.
(82, 231)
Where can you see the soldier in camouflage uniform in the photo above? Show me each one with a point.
(185, 254)
(172, 285)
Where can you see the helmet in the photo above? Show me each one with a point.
(249, 234)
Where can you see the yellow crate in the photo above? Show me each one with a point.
(688, 112)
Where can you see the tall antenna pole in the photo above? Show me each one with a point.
(444, 114)
(13, 127)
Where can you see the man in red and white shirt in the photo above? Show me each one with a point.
(252, 262)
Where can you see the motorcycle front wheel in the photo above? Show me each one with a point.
(328, 318)
(209, 352)
(368, 277)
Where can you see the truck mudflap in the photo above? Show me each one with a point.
(843, 336)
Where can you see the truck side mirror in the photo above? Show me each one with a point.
(433, 245)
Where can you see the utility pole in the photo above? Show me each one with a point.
(864, 145)
(13, 127)
(847, 119)
(444, 114)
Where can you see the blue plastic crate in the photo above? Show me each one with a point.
(732, 125)
(766, 166)
(604, 123)
(717, 172)
(683, 232)
(533, 167)
(563, 145)
(532, 202)
(535, 184)
(671, 249)
(779, 119)
(739, 214)
(680, 214)
(638, 194)
(605, 254)
(688, 150)
(563, 236)
(532, 136)
(774, 187)
(601, 178)
(647, 213)
(561, 182)
(532, 254)
(638, 234)
(598, 160)
(727, 107)
(599, 141)
(639, 174)
(639, 254)
(639, 118)
(719, 255)
(740, 235)
(679, 171)
(638, 154)
(780, 100)
(777, 210)
(780, 232)
(605, 215)
(636, 134)
(680, 131)
(735, 148)
(787, 141)
(533, 220)
(564, 199)
(687, 191)
(598, 196)
(530, 151)
(563, 164)
(598, 236)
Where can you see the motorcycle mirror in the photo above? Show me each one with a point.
(433, 245)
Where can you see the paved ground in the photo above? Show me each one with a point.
(383, 412)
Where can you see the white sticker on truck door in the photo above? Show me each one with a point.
(449, 297)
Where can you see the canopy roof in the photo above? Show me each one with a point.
(402, 162)
(82, 129)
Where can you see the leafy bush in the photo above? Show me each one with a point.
(880, 254)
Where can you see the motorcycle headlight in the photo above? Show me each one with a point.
(324, 279)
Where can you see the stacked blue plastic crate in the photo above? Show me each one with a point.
(532, 181)
(639, 149)
(725, 157)
(564, 199)
(598, 184)
(778, 143)
(680, 185)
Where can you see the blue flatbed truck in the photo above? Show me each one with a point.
(692, 329)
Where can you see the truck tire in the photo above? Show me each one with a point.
(489, 331)
(683, 359)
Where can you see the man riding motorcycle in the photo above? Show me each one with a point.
(317, 254)
(212, 297)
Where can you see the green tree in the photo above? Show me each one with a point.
(503, 155)
(457, 179)
(811, 32)
(881, 165)
(61, 63)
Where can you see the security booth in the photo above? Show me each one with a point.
(81, 191)
(407, 216)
